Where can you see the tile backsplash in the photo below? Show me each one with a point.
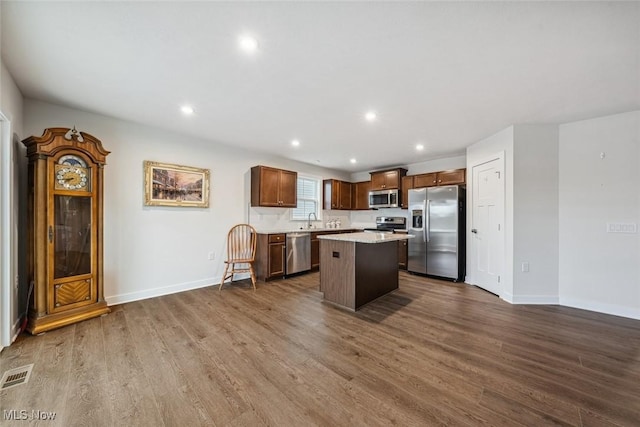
(280, 218)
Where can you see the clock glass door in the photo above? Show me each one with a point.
(72, 236)
(73, 283)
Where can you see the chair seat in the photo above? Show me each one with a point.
(239, 261)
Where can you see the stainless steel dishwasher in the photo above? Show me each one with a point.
(298, 252)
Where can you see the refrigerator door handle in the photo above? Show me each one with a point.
(428, 222)
(424, 228)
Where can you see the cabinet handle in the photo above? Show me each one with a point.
(50, 234)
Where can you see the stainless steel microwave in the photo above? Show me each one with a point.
(384, 199)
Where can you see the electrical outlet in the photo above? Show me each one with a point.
(212, 256)
(525, 267)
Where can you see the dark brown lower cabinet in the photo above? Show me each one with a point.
(315, 250)
(403, 252)
(270, 256)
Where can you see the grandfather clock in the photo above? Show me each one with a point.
(65, 228)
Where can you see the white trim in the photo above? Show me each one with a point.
(614, 309)
(167, 290)
(6, 253)
(531, 299)
(16, 329)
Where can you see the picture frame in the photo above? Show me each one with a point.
(166, 184)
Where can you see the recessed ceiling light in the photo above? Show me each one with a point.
(371, 116)
(352, 160)
(295, 143)
(187, 110)
(419, 147)
(248, 43)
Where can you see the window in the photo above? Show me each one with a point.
(308, 198)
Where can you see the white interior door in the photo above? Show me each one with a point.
(487, 228)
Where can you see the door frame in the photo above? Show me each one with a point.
(7, 258)
(472, 248)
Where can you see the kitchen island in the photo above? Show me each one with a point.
(357, 268)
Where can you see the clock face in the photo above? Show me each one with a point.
(72, 178)
(71, 160)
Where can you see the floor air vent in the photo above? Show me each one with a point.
(16, 376)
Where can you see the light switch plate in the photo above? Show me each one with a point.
(619, 227)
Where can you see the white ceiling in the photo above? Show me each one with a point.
(442, 74)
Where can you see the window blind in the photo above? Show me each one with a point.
(308, 199)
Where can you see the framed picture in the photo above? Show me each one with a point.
(175, 185)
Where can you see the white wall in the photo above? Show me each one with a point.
(531, 210)
(501, 143)
(598, 270)
(151, 251)
(11, 100)
(535, 214)
(11, 167)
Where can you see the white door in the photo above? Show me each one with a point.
(487, 226)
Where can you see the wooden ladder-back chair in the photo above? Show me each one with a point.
(241, 249)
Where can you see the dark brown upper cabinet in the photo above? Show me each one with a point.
(387, 180)
(271, 187)
(337, 194)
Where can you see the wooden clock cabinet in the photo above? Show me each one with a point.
(65, 231)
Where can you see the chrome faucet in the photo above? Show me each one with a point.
(309, 221)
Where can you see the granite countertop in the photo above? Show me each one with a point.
(362, 237)
(305, 230)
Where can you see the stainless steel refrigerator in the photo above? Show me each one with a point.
(437, 224)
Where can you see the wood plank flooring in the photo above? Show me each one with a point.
(431, 353)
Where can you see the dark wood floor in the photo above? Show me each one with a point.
(431, 353)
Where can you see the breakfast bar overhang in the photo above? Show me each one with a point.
(357, 268)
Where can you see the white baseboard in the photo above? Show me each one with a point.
(614, 309)
(166, 290)
(16, 329)
(531, 299)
